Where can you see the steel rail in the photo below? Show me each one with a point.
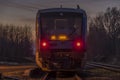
(105, 66)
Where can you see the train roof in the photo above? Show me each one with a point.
(61, 10)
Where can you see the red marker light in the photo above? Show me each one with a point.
(44, 44)
(77, 44)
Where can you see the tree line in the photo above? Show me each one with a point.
(104, 37)
(15, 42)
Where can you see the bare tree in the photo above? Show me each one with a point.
(109, 23)
(15, 42)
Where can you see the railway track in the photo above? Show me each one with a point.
(89, 73)
(104, 66)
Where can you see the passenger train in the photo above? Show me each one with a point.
(61, 39)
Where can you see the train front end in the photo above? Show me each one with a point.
(60, 39)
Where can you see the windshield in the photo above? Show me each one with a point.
(71, 24)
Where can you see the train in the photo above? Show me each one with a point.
(61, 39)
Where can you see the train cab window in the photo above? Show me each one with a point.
(70, 23)
(47, 24)
(77, 25)
(61, 23)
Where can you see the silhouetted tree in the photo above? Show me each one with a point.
(104, 34)
(97, 42)
(111, 21)
(15, 42)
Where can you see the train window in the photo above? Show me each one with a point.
(51, 23)
(61, 23)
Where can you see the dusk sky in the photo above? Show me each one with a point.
(21, 12)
